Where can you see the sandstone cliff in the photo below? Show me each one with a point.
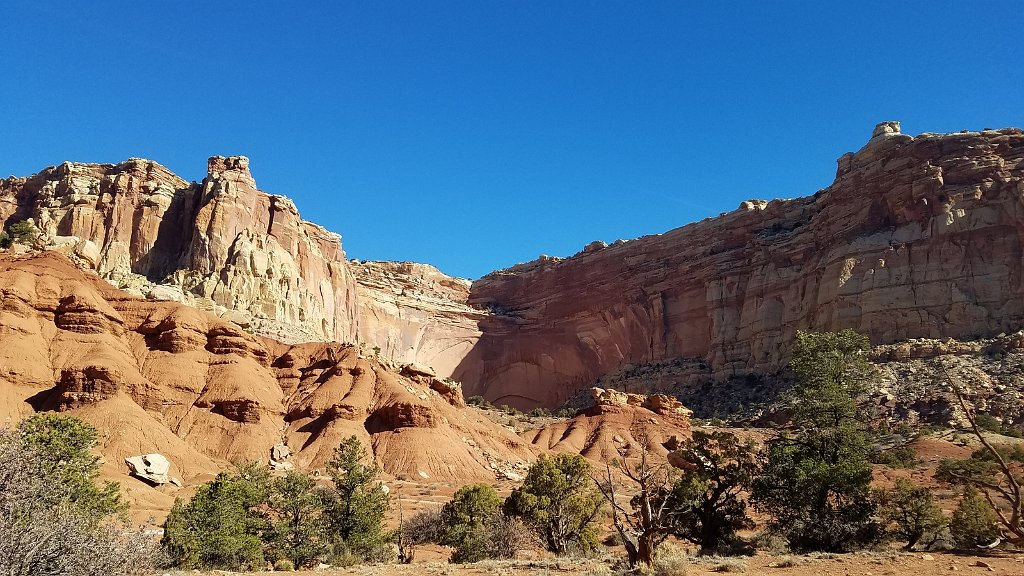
(415, 313)
(220, 245)
(917, 237)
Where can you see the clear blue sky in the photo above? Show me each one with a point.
(473, 135)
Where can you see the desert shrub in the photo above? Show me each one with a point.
(974, 522)
(990, 423)
(23, 232)
(223, 524)
(558, 501)
(897, 457)
(913, 511)
(49, 526)
(5, 240)
(479, 401)
(816, 481)
(360, 504)
(670, 560)
(718, 467)
(472, 523)
(284, 565)
(539, 413)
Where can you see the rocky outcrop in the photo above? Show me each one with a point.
(918, 237)
(220, 245)
(162, 377)
(414, 313)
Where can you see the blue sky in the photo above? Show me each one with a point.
(473, 135)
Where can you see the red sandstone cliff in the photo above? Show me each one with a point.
(221, 245)
(917, 237)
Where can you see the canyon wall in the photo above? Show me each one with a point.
(414, 313)
(917, 238)
(221, 245)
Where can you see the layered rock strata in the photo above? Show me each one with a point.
(413, 312)
(918, 237)
(220, 245)
(160, 377)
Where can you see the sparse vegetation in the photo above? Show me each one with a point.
(816, 481)
(558, 500)
(913, 513)
(993, 471)
(53, 517)
(479, 402)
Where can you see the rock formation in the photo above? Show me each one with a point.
(415, 313)
(221, 245)
(917, 238)
(618, 425)
(160, 377)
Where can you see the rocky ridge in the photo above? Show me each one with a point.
(220, 245)
(918, 237)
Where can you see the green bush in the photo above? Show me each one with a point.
(559, 501)
(5, 241)
(974, 522)
(897, 457)
(284, 565)
(479, 402)
(472, 523)
(23, 232)
(913, 511)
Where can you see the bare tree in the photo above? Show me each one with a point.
(653, 512)
(41, 534)
(994, 471)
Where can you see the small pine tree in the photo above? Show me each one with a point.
(558, 500)
(913, 511)
(361, 502)
(298, 510)
(221, 526)
(974, 522)
(816, 482)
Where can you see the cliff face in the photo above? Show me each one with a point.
(916, 238)
(415, 313)
(221, 245)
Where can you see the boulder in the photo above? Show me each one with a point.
(153, 468)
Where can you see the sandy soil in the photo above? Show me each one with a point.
(859, 564)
